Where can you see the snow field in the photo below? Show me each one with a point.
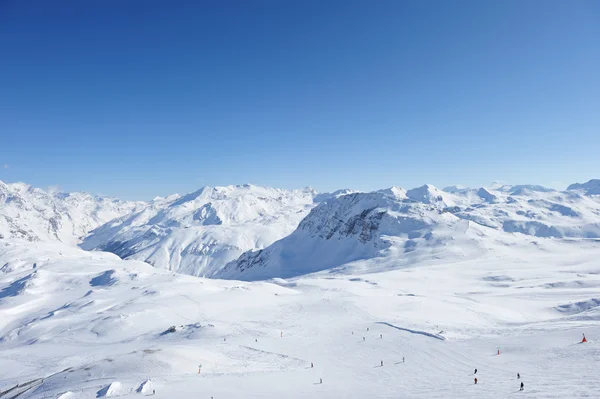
(96, 321)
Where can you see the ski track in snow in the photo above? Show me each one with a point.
(436, 336)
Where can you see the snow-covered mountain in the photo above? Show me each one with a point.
(253, 232)
(592, 187)
(431, 282)
(200, 232)
(37, 215)
(423, 223)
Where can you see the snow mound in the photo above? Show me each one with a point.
(579, 307)
(146, 387)
(104, 279)
(17, 287)
(113, 389)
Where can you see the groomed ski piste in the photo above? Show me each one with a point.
(88, 324)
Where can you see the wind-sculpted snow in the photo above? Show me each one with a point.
(579, 307)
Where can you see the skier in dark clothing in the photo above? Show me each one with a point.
(518, 376)
(382, 363)
(475, 371)
(475, 381)
(522, 387)
(311, 365)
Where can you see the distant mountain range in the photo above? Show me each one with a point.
(250, 232)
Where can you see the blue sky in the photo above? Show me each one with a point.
(142, 98)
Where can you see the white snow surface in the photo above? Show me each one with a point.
(34, 214)
(88, 324)
(199, 233)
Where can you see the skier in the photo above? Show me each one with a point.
(382, 363)
(311, 365)
(584, 339)
(475, 371)
(256, 340)
(352, 332)
(367, 328)
(518, 376)
(154, 392)
(363, 338)
(522, 387)
(320, 380)
(224, 339)
(475, 380)
(402, 359)
(380, 335)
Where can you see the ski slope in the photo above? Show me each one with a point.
(91, 325)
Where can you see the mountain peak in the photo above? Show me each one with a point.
(591, 187)
(427, 194)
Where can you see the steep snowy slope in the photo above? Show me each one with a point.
(421, 223)
(353, 227)
(592, 187)
(34, 214)
(200, 232)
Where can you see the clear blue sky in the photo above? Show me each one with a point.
(140, 98)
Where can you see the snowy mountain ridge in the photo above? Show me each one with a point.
(422, 223)
(34, 214)
(225, 231)
(433, 283)
(200, 232)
